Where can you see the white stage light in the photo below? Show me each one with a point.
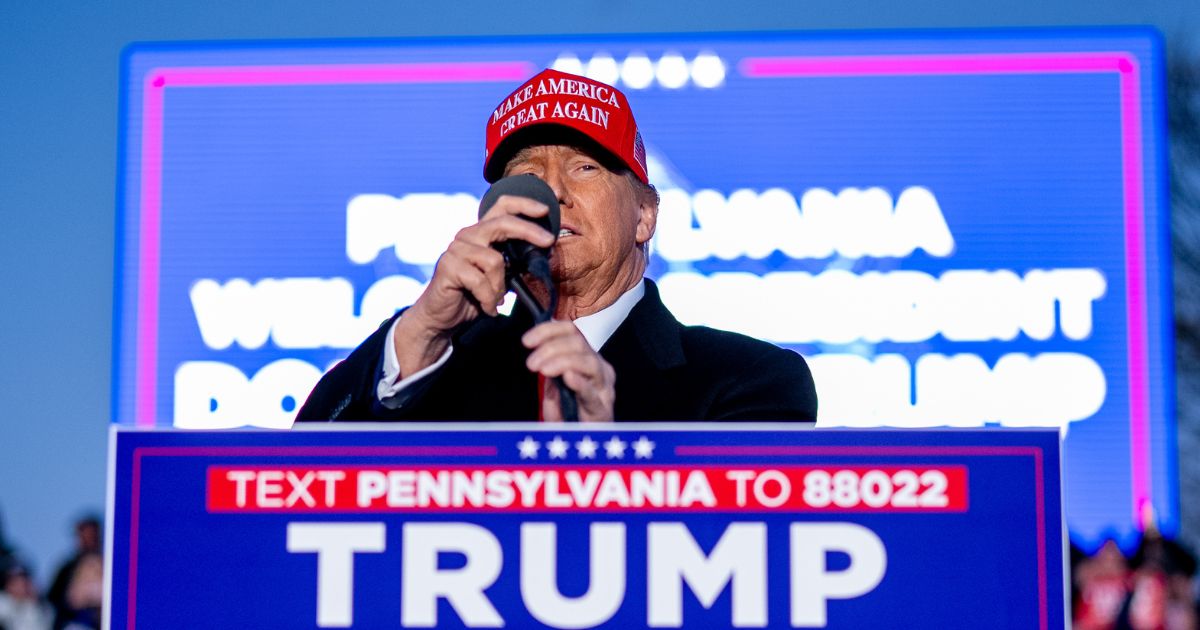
(603, 68)
(672, 71)
(638, 71)
(708, 71)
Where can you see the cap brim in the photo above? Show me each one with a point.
(546, 134)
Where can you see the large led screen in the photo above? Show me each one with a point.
(956, 229)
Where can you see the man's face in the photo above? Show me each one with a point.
(604, 218)
(88, 535)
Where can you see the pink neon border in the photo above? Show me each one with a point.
(1126, 66)
(914, 451)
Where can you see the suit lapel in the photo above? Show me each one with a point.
(643, 349)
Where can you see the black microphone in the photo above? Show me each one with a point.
(521, 256)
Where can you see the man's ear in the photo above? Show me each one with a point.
(647, 216)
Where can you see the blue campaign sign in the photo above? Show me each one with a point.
(532, 526)
(961, 229)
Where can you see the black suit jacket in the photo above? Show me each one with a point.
(665, 371)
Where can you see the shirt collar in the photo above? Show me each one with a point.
(599, 326)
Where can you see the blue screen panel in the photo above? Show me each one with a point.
(956, 229)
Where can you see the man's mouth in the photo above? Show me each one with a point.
(566, 232)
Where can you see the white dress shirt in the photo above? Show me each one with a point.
(596, 328)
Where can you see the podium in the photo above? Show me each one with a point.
(581, 526)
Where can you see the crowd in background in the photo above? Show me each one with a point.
(73, 599)
(1154, 588)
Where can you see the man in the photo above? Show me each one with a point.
(87, 543)
(612, 341)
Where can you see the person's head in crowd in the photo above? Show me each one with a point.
(87, 534)
(1110, 559)
(1158, 553)
(18, 583)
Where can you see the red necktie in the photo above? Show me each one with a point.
(541, 392)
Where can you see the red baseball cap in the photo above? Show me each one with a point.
(554, 99)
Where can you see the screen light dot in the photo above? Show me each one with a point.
(672, 71)
(603, 68)
(568, 63)
(637, 72)
(708, 71)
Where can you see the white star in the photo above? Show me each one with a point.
(643, 448)
(528, 448)
(615, 448)
(586, 447)
(557, 448)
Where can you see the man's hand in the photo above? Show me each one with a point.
(468, 280)
(559, 349)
